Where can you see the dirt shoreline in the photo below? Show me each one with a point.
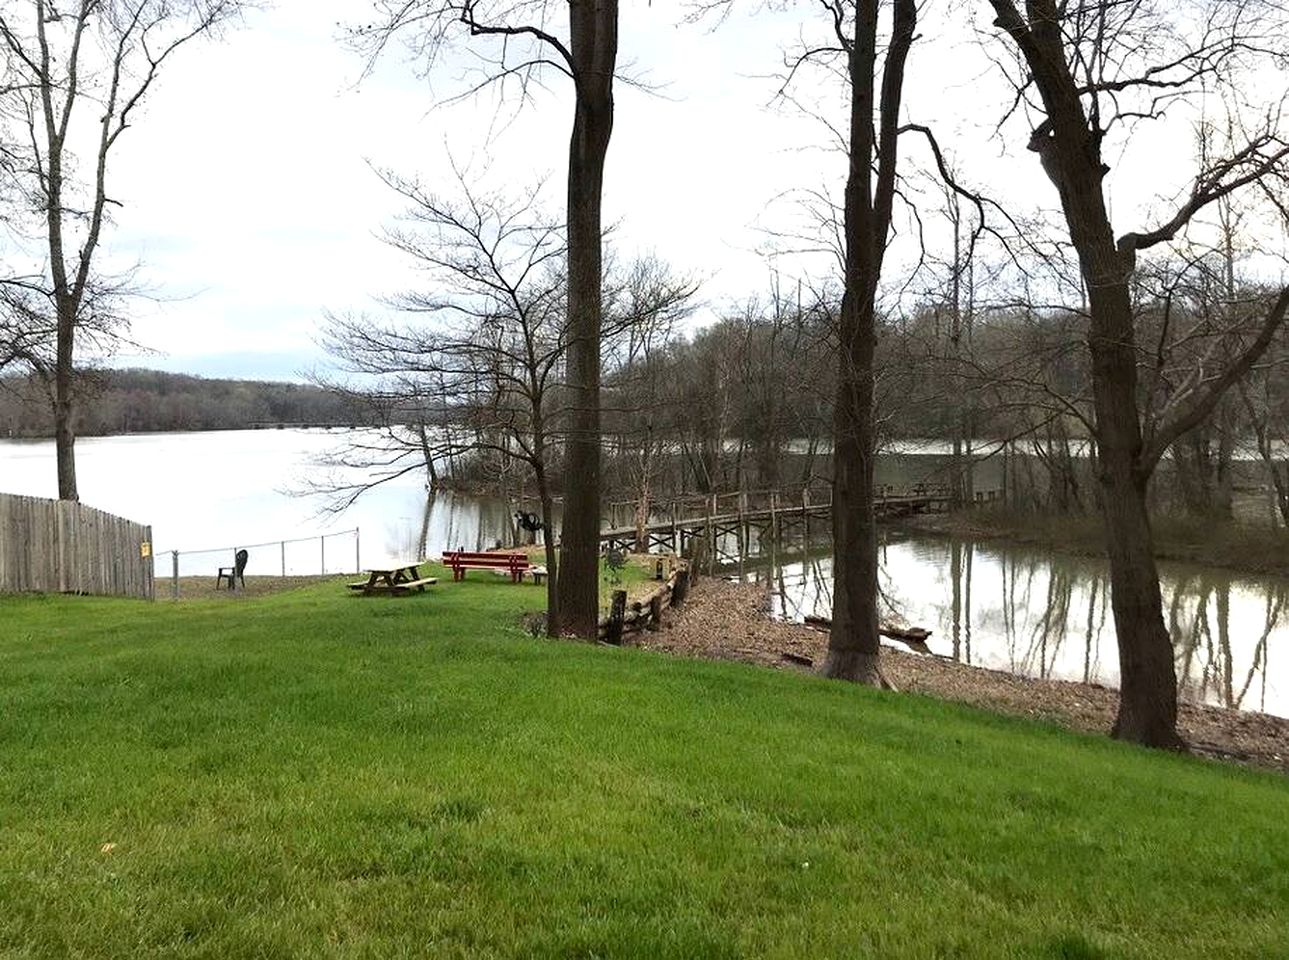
(723, 620)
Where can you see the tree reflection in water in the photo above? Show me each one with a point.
(1044, 615)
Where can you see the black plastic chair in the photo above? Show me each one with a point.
(235, 572)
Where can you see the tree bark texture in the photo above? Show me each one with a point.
(1148, 679)
(853, 644)
(593, 46)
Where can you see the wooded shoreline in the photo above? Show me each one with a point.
(1231, 545)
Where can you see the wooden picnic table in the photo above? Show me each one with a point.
(395, 579)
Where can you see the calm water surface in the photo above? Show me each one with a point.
(1008, 608)
(1039, 614)
(205, 494)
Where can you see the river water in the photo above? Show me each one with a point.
(206, 494)
(1006, 607)
(1043, 614)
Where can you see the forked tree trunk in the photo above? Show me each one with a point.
(853, 644)
(1071, 157)
(593, 34)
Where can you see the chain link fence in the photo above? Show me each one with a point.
(320, 555)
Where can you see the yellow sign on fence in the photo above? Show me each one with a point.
(145, 549)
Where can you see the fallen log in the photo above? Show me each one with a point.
(913, 637)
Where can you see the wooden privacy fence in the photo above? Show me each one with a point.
(59, 546)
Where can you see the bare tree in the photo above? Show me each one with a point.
(643, 307)
(1094, 67)
(1266, 404)
(477, 365)
(95, 59)
(480, 366)
(873, 139)
(527, 42)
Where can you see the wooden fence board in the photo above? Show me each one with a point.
(51, 546)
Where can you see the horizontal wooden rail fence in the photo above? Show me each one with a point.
(59, 546)
(645, 613)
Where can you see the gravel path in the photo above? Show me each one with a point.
(730, 621)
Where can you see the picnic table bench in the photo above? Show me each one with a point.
(516, 564)
(397, 579)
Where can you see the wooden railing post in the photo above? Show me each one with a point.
(710, 535)
(617, 612)
(681, 589)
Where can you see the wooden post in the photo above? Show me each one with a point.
(676, 545)
(174, 574)
(681, 589)
(1006, 447)
(741, 539)
(616, 613)
(323, 540)
(358, 554)
(774, 531)
(655, 611)
(710, 535)
(282, 546)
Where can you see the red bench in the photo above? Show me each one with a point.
(516, 564)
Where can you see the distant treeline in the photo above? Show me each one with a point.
(142, 401)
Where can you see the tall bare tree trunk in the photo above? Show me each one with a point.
(66, 300)
(593, 33)
(853, 644)
(1147, 674)
(644, 496)
(432, 473)
(64, 428)
(1071, 157)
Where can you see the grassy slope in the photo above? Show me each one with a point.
(313, 773)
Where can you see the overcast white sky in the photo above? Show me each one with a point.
(247, 195)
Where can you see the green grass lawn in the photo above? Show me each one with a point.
(317, 774)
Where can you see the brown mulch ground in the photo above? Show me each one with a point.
(730, 621)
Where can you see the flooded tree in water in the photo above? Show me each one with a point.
(1088, 68)
(95, 61)
(1264, 398)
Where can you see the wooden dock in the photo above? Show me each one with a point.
(709, 520)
